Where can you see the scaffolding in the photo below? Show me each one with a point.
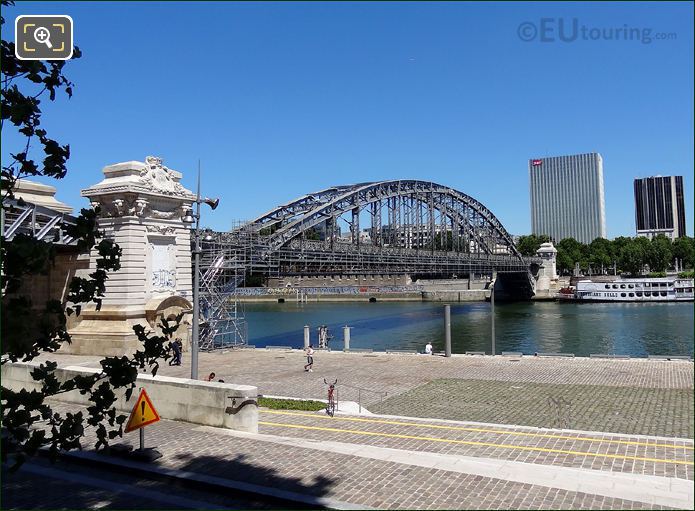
(223, 269)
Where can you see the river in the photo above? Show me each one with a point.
(621, 328)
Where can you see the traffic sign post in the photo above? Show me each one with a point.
(143, 414)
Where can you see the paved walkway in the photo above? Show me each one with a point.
(387, 463)
(599, 451)
(648, 397)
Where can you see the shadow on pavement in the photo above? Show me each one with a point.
(238, 469)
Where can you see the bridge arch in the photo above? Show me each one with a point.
(422, 209)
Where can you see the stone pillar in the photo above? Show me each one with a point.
(547, 273)
(346, 338)
(141, 206)
(307, 336)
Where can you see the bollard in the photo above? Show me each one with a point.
(307, 336)
(447, 330)
(346, 338)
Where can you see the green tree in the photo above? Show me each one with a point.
(312, 234)
(439, 244)
(632, 256)
(684, 250)
(28, 330)
(600, 253)
(529, 245)
(659, 254)
(618, 243)
(570, 252)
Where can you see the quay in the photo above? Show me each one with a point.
(466, 432)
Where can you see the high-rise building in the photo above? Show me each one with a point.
(567, 197)
(659, 206)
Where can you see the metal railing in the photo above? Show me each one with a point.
(359, 390)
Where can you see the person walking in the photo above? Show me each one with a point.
(176, 359)
(309, 359)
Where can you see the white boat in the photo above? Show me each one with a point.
(665, 289)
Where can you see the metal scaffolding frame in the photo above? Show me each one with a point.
(223, 268)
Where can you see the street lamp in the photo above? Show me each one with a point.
(492, 313)
(190, 217)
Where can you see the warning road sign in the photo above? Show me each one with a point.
(143, 413)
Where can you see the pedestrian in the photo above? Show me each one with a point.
(179, 344)
(211, 377)
(176, 359)
(309, 359)
(428, 348)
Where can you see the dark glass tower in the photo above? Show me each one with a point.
(659, 206)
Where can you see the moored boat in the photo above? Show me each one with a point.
(662, 289)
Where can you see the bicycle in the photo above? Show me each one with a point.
(331, 404)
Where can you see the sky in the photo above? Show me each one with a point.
(280, 99)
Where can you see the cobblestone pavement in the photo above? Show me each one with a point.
(19, 492)
(669, 458)
(623, 396)
(353, 479)
(632, 410)
(69, 485)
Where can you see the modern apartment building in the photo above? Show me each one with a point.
(567, 197)
(659, 206)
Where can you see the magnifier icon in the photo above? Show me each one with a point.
(43, 36)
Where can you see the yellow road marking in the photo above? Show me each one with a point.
(479, 430)
(466, 442)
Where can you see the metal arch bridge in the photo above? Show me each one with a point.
(413, 227)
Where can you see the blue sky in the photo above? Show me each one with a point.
(280, 99)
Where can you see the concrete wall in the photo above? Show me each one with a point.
(341, 280)
(453, 284)
(54, 285)
(473, 295)
(207, 403)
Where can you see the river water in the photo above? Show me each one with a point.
(621, 328)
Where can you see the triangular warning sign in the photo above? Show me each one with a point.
(143, 413)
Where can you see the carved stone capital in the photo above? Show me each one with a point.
(161, 229)
(160, 179)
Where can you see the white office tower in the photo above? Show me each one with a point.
(567, 197)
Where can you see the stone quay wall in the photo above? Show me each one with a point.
(208, 403)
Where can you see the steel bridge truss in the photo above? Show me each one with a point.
(413, 211)
(39, 222)
(412, 227)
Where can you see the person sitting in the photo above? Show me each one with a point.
(428, 348)
(211, 377)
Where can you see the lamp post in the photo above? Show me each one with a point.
(191, 218)
(492, 313)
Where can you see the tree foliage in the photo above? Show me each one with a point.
(684, 250)
(29, 422)
(529, 245)
(631, 255)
